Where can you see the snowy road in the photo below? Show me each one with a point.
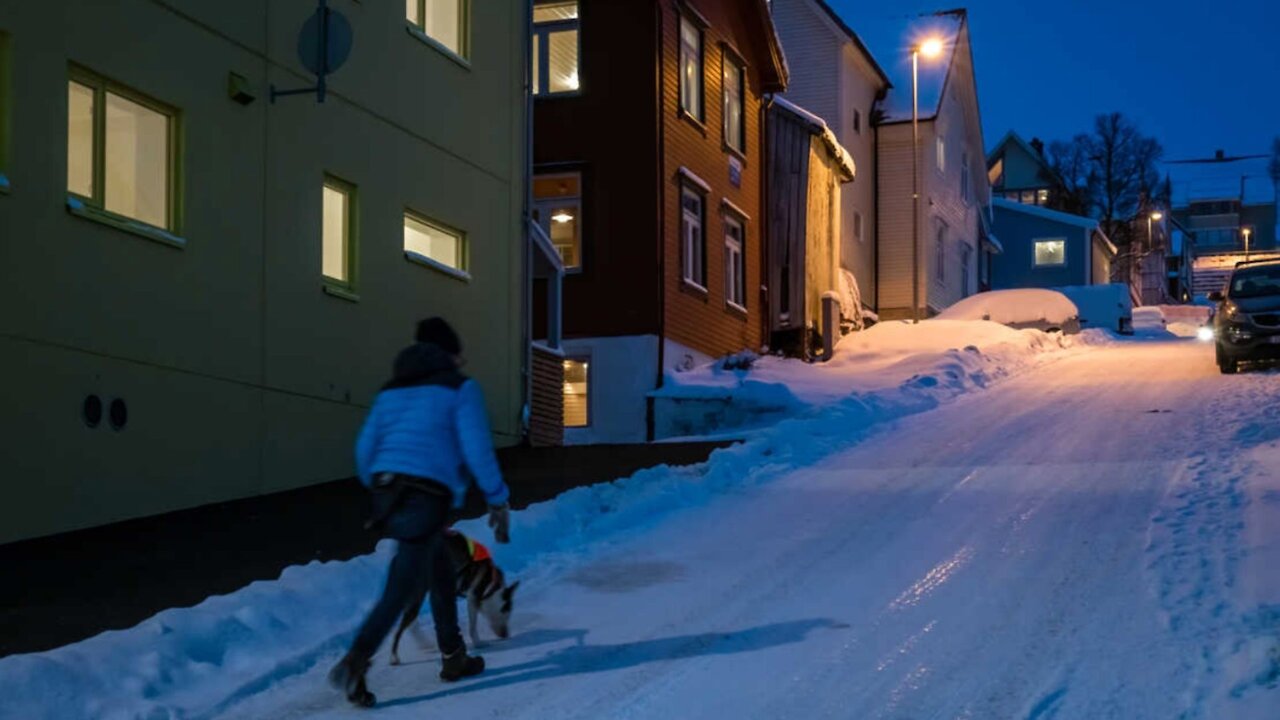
(1065, 545)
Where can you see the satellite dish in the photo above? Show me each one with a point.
(324, 43)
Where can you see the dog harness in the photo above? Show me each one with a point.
(478, 552)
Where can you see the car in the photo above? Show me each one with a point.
(1247, 323)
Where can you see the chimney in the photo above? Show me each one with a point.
(1220, 155)
(1038, 145)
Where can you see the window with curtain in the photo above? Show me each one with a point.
(693, 238)
(1051, 252)
(735, 274)
(734, 128)
(691, 73)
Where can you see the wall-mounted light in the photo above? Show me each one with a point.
(562, 217)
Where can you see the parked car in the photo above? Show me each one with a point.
(1247, 324)
(1047, 310)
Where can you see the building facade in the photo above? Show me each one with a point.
(1018, 172)
(213, 284)
(657, 211)
(835, 76)
(1045, 248)
(954, 193)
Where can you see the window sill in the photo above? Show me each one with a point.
(76, 207)
(736, 310)
(735, 152)
(417, 34)
(340, 292)
(425, 261)
(688, 117)
(694, 289)
(565, 95)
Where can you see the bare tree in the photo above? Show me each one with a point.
(1110, 173)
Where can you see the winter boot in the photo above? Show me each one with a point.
(459, 664)
(348, 677)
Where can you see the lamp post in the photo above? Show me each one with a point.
(1246, 232)
(929, 48)
(1156, 216)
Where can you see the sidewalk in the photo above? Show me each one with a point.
(68, 587)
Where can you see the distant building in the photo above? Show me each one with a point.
(1019, 172)
(1046, 248)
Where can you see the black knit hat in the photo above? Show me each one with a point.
(436, 330)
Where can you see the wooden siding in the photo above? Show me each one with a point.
(893, 181)
(789, 143)
(546, 409)
(813, 54)
(822, 230)
(703, 321)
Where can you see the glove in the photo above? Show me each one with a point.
(500, 523)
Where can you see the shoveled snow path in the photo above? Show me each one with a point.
(1049, 548)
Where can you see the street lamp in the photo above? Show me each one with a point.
(1246, 232)
(1157, 216)
(930, 48)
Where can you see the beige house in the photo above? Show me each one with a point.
(834, 76)
(954, 193)
(207, 287)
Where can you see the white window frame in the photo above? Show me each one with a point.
(735, 277)
(418, 28)
(698, 111)
(540, 46)
(544, 207)
(464, 255)
(1035, 262)
(693, 238)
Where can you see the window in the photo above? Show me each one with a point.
(1012, 195)
(996, 174)
(1028, 197)
(735, 273)
(337, 233)
(691, 68)
(120, 151)
(693, 238)
(857, 121)
(558, 209)
(940, 253)
(1051, 253)
(433, 244)
(1042, 197)
(734, 130)
(444, 21)
(857, 225)
(555, 48)
(942, 154)
(577, 397)
(966, 259)
(965, 190)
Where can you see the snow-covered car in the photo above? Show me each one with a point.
(1047, 310)
(1247, 324)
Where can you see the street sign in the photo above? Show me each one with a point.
(324, 42)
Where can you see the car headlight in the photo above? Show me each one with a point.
(1234, 315)
(1205, 334)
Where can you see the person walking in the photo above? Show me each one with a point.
(425, 438)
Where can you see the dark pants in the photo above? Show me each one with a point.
(419, 564)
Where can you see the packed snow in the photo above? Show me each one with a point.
(1073, 532)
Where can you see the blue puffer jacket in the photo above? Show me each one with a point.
(430, 422)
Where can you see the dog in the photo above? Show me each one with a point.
(480, 581)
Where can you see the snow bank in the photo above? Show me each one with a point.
(1101, 306)
(201, 661)
(1014, 307)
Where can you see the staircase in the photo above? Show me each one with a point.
(1210, 272)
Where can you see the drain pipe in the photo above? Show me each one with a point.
(526, 217)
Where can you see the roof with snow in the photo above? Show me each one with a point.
(819, 127)
(1079, 221)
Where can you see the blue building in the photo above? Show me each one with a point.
(1046, 248)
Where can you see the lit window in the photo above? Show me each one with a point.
(1050, 253)
(558, 209)
(734, 130)
(577, 398)
(693, 238)
(691, 68)
(555, 47)
(1042, 197)
(444, 21)
(120, 151)
(435, 244)
(735, 274)
(942, 153)
(996, 173)
(336, 235)
(940, 253)
(1028, 197)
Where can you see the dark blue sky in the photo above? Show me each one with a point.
(1197, 74)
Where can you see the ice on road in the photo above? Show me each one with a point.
(1068, 544)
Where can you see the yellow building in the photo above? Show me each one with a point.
(206, 288)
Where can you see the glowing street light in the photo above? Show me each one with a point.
(930, 48)
(1157, 216)
(1246, 232)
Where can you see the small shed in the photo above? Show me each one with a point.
(1046, 248)
(805, 168)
